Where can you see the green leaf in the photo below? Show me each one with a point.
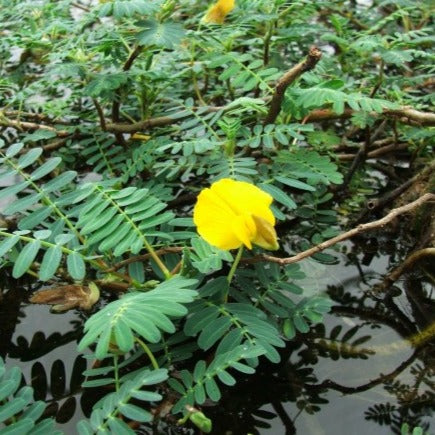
(25, 258)
(135, 413)
(278, 195)
(294, 183)
(59, 182)
(40, 134)
(46, 168)
(50, 263)
(163, 34)
(7, 244)
(76, 266)
(34, 218)
(23, 426)
(144, 313)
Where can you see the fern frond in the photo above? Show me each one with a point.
(232, 166)
(245, 72)
(19, 414)
(214, 321)
(308, 165)
(201, 385)
(118, 219)
(146, 314)
(106, 412)
(40, 201)
(22, 250)
(317, 97)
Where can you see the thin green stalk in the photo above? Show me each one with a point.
(146, 349)
(115, 366)
(233, 271)
(156, 258)
(147, 245)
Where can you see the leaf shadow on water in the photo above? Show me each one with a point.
(369, 367)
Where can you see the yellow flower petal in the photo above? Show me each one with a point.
(212, 216)
(231, 213)
(245, 198)
(218, 11)
(266, 235)
(244, 229)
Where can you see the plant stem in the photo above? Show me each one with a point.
(115, 366)
(233, 271)
(156, 258)
(146, 349)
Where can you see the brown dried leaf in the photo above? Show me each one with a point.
(66, 297)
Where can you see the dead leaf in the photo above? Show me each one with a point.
(67, 297)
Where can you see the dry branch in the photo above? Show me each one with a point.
(347, 235)
(405, 115)
(31, 126)
(138, 258)
(410, 261)
(287, 79)
(377, 152)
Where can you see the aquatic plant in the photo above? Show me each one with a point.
(140, 144)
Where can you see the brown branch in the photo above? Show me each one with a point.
(100, 114)
(19, 125)
(141, 125)
(405, 115)
(127, 65)
(116, 106)
(344, 236)
(80, 6)
(376, 153)
(358, 159)
(55, 144)
(409, 261)
(40, 117)
(287, 79)
(137, 258)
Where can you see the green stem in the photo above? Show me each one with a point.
(147, 245)
(156, 258)
(146, 349)
(115, 366)
(233, 271)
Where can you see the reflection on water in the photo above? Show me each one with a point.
(368, 369)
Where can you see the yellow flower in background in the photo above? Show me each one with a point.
(232, 213)
(218, 11)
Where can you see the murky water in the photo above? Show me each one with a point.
(331, 380)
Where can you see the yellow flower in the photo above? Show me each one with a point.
(231, 213)
(217, 12)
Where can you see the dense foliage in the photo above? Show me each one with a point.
(114, 115)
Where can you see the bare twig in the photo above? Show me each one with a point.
(347, 235)
(100, 114)
(22, 126)
(410, 261)
(137, 258)
(55, 144)
(116, 106)
(80, 6)
(359, 158)
(40, 117)
(287, 79)
(127, 65)
(376, 153)
(405, 115)
(379, 203)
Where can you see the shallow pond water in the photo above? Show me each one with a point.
(355, 374)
